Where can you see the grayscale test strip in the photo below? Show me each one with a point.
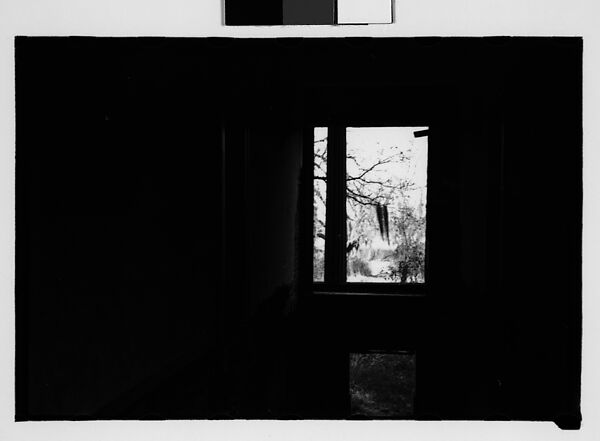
(307, 12)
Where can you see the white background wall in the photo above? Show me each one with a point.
(198, 18)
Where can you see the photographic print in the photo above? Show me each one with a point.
(299, 228)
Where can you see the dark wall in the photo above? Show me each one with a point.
(160, 250)
(119, 222)
(273, 160)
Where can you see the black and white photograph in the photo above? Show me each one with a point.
(311, 229)
(299, 228)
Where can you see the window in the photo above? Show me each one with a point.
(369, 206)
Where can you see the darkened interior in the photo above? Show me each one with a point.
(163, 227)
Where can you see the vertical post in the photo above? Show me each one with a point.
(335, 228)
(307, 225)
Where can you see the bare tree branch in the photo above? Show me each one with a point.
(369, 169)
(357, 197)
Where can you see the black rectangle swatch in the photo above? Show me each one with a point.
(257, 13)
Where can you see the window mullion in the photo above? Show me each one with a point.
(335, 228)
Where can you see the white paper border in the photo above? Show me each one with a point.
(198, 18)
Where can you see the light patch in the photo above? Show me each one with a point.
(364, 12)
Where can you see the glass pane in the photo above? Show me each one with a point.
(382, 385)
(319, 204)
(386, 193)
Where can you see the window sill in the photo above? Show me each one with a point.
(369, 294)
(371, 289)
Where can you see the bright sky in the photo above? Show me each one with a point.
(371, 144)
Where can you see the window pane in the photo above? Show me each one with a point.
(382, 385)
(386, 193)
(319, 204)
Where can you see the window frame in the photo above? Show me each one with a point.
(335, 226)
